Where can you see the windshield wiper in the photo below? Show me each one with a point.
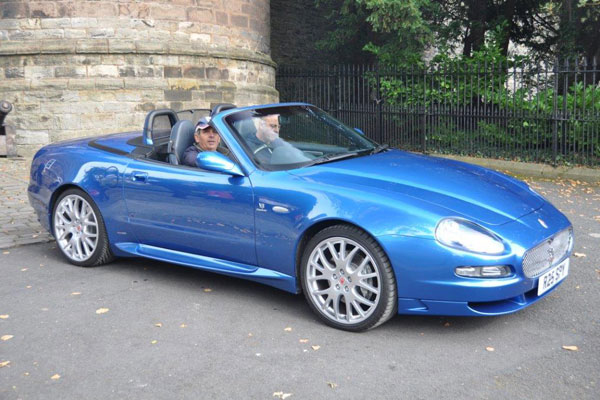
(380, 148)
(331, 157)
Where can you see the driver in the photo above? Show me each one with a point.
(206, 138)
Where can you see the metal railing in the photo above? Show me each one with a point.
(518, 111)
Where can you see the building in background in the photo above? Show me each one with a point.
(77, 68)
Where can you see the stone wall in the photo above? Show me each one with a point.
(80, 68)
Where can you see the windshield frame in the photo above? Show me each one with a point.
(282, 109)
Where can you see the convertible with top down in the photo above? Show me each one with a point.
(363, 230)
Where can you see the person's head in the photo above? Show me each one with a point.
(268, 128)
(206, 136)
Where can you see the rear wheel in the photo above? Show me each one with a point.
(79, 229)
(347, 279)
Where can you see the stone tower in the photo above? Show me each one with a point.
(76, 68)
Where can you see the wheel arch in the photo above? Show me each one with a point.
(313, 230)
(55, 195)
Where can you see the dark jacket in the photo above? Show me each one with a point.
(190, 154)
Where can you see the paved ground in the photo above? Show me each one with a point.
(142, 329)
(18, 223)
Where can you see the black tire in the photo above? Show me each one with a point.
(384, 303)
(101, 253)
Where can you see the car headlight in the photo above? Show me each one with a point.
(466, 235)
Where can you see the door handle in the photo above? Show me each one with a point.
(139, 177)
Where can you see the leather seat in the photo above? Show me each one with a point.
(182, 136)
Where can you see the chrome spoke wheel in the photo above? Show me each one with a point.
(76, 227)
(343, 280)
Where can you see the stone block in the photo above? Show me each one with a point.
(48, 34)
(55, 23)
(108, 83)
(92, 46)
(20, 35)
(178, 95)
(197, 14)
(14, 72)
(173, 72)
(49, 84)
(194, 72)
(10, 24)
(103, 71)
(200, 37)
(145, 107)
(70, 72)
(151, 47)
(240, 21)
(222, 18)
(95, 9)
(79, 22)
(101, 33)
(68, 121)
(14, 10)
(75, 33)
(37, 137)
(57, 46)
(216, 96)
(44, 10)
(35, 72)
(127, 71)
(145, 83)
(168, 12)
(134, 10)
(81, 84)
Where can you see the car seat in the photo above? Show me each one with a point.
(182, 137)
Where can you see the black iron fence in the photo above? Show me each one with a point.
(518, 111)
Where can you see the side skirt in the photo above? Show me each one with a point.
(238, 270)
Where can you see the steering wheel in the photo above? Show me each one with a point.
(263, 147)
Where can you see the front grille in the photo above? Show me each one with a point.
(547, 254)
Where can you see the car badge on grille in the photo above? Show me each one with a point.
(550, 254)
(542, 223)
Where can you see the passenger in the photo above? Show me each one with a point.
(206, 138)
(268, 147)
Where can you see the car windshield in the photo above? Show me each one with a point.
(281, 138)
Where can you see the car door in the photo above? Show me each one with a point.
(191, 210)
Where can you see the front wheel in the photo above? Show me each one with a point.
(348, 279)
(79, 229)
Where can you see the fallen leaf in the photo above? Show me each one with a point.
(315, 348)
(75, 293)
(26, 373)
(6, 337)
(28, 287)
(281, 395)
(258, 354)
(489, 348)
(55, 377)
(332, 385)
(447, 324)
(571, 348)
(183, 326)
(23, 269)
(207, 290)
(158, 325)
(154, 341)
(250, 334)
(4, 316)
(101, 310)
(303, 340)
(579, 255)
(6, 252)
(288, 329)
(4, 363)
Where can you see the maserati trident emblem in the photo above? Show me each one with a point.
(542, 223)
(550, 254)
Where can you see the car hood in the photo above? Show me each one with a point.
(466, 190)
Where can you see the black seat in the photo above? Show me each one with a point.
(182, 136)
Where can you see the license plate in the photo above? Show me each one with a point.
(552, 277)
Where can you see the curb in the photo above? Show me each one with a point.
(543, 171)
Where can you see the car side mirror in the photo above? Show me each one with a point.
(358, 130)
(214, 161)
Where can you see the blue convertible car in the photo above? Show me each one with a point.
(303, 203)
